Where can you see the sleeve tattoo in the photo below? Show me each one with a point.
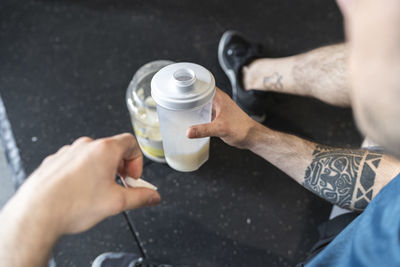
(344, 177)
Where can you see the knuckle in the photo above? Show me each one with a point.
(103, 145)
(47, 159)
(63, 148)
(128, 135)
(129, 138)
(200, 132)
(83, 139)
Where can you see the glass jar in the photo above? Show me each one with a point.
(142, 109)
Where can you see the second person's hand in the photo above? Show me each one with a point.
(71, 191)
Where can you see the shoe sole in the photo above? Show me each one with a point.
(106, 256)
(230, 73)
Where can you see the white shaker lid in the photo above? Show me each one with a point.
(182, 86)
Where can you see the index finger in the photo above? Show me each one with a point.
(130, 155)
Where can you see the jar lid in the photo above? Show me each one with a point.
(138, 92)
(182, 86)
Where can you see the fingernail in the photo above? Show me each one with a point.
(192, 133)
(154, 200)
(188, 131)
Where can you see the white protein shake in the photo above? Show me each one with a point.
(189, 162)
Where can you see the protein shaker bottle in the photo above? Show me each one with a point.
(183, 93)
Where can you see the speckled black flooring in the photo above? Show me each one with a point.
(64, 68)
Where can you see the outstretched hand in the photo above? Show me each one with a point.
(75, 188)
(229, 122)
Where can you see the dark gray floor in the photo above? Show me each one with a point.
(64, 69)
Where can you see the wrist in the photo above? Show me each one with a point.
(26, 226)
(257, 134)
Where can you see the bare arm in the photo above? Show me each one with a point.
(54, 200)
(349, 178)
(28, 235)
(319, 73)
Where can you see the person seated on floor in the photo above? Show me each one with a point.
(352, 178)
(362, 74)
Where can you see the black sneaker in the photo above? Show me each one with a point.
(234, 52)
(122, 259)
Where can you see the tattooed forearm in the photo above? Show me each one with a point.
(344, 177)
(273, 82)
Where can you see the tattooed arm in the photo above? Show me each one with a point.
(319, 73)
(349, 178)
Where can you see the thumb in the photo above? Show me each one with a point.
(139, 197)
(202, 130)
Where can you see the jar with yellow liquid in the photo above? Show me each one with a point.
(142, 109)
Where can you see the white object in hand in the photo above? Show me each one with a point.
(183, 93)
(139, 183)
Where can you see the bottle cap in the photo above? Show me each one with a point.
(182, 86)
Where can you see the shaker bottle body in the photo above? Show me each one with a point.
(183, 93)
(181, 153)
